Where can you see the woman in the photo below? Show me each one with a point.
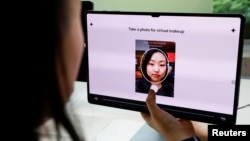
(154, 68)
(45, 52)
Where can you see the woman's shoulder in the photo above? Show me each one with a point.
(142, 86)
(141, 81)
(167, 89)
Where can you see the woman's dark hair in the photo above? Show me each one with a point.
(35, 30)
(146, 58)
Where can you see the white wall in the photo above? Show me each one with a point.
(195, 6)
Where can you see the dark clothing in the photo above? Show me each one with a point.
(143, 86)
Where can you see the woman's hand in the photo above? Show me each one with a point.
(168, 126)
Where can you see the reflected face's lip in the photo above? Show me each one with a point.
(155, 75)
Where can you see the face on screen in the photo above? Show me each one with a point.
(155, 62)
(153, 68)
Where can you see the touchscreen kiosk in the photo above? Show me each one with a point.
(194, 60)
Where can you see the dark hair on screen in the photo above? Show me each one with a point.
(35, 30)
(146, 58)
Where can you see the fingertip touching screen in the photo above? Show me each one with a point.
(193, 61)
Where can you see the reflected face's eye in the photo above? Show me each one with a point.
(162, 65)
(151, 64)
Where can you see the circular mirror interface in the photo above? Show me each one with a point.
(143, 67)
